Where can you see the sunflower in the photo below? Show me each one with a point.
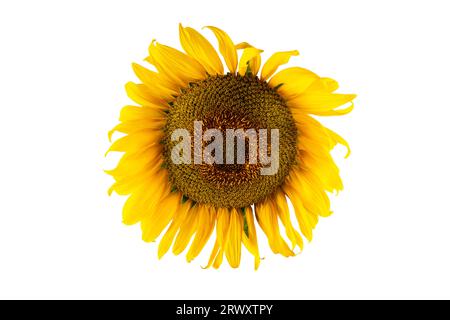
(184, 203)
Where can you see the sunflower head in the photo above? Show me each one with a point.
(207, 150)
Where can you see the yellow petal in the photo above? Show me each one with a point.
(127, 184)
(136, 141)
(137, 162)
(200, 49)
(323, 85)
(175, 65)
(268, 221)
(314, 146)
(159, 86)
(281, 207)
(222, 230)
(339, 112)
(313, 198)
(134, 207)
(338, 139)
(226, 48)
(206, 223)
(322, 103)
(305, 222)
(138, 118)
(154, 222)
(325, 170)
(251, 242)
(213, 255)
(276, 60)
(144, 200)
(243, 45)
(312, 129)
(187, 230)
(132, 113)
(219, 258)
(134, 162)
(249, 63)
(233, 246)
(292, 82)
(137, 125)
(167, 239)
(140, 94)
(250, 59)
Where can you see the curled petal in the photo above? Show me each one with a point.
(292, 82)
(200, 49)
(226, 48)
(175, 65)
(275, 61)
(250, 60)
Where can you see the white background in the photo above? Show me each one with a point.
(63, 66)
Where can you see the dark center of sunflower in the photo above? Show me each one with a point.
(230, 102)
(224, 175)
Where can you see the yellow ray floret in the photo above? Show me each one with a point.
(201, 50)
(226, 48)
(275, 61)
(250, 60)
(175, 65)
(249, 238)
